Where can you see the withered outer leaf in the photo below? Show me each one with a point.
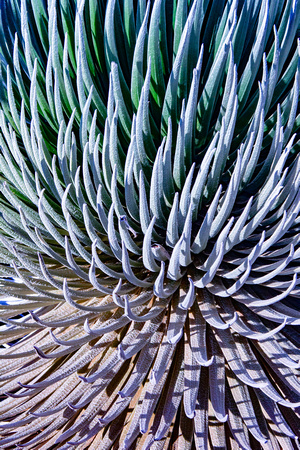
(149, 224)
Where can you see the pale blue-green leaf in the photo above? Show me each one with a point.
(273, 75)
(124, 229)
(137, 167)
(179, 167)
(145, 145)
(110, 100)
(228, 199)
(224, 25)
(128, 270)
(137, 74)
(199, 183)
(75, 241)
(290, 197)
(172, 225)
(180, 20)
(88, 185)
(292, 107)
(16, 203)
(49, 250)
(170, 99)
(110, 45)
(210, 91)
(185, 251)
(85, 121)
(92, 131)
(174, 272)
(71, 96)
(78, 306)
(157, 203)
(159, 252)
(10, 171)
(199, 13)
(235, 287)
(217, 246)
(131, 196)
(148, 258)
(168, 184)
(79, 194)
(49, 83)
(202, 235)
(112, 236)
(233, 237)
(273, 179)
(159, 372)
(289, 31)
(80, 83)
(18, 73)
(106, 156)
(103, 266)
(120, 211)
(56, 180)
(69, 209)
(258, 217)
(140, 14)
(86, 70)
(158, 289)
(57, 99)
(250, 164)
(26, 136)
(185, 197)
(277, 268)
(129, 28)
(26, 37)
(230, 120)
(242, 328)
(191, 108)
(29, 183)
(143, 204)
(123, 113)
(91, 231)
(188, 300)
(11, 100)
(15, 229)
(100, 209)
(152, 314)
(95, 161)
(157, 84)
(231, 74)
(219, 162)
(250, 71)
(68, 133)
(33, 102)
(209, 275)
(115, 152)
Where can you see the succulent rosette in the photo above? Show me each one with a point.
(149, 224)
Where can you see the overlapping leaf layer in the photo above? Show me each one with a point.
(150, 224)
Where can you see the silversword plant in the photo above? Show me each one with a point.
(149, 224)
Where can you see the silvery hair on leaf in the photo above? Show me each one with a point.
(149, 224)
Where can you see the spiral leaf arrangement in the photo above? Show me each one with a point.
(150, 224)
